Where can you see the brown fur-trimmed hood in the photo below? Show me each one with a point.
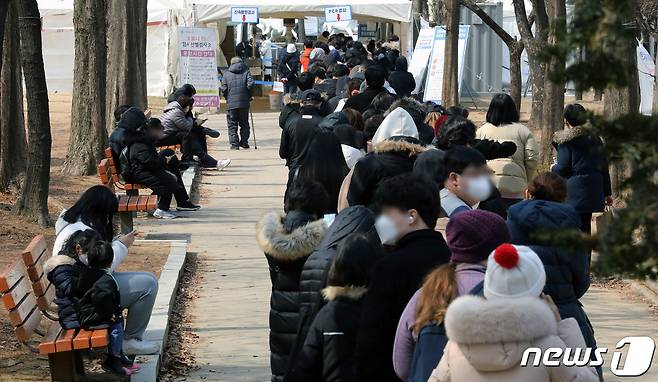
(411, 146)
(56, 261)
(352, 292)
(276, 242)
(566, 135)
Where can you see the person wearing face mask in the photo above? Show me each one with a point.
(409, 206)
(468, 182)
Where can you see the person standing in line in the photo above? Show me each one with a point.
(487, 338)
(305, 59)
(289, 69)
(287, 241)
(511, 174)
(581, 162)
(236, 87)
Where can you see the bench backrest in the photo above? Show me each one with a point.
(18, 298)
(108, 172)
(34, 257)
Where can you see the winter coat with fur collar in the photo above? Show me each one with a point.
(581, 162)
(328, 352)
(287, 241)
(63, 271)
(391, 157)
(488, 339)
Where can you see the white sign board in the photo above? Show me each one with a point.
(647, 71)
(244, 15)
(434, 82)
(335, 14)
(198, 64)
(418, 64)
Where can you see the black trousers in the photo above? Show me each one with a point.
(192, 143)
(166, 184)
(234, 118)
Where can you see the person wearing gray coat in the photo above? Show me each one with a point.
(236, 87)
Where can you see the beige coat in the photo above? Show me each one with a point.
(488, 338)
(513, 173)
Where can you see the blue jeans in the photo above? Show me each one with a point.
(115, 345)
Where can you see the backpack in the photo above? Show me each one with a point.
(432, 339)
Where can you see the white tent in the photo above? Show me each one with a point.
(164, 16)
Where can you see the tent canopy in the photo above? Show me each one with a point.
(382, 10)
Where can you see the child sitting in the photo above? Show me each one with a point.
(99, 306)
(63, 271)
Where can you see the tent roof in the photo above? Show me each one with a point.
(394, 10)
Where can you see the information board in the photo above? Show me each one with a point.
(340, 13)
(421, 55)
(197, 64)
(434, 81)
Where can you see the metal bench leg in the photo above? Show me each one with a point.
(66, 366)
(126, 219)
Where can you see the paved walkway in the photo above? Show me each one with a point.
(231, 313)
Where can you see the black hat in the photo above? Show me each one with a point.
(311, 95)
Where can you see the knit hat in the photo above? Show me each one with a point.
(317, 54)
(291, 48)
(472, 235)
(514, 271)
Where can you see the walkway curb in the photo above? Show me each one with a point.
(645, 289)
(158, 326)
(188, 178)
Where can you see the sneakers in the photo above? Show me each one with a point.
(187, 206)
(244, 145)
(223, 163)
(114, 365)
(210, 132)
(162, 214)
(235, 147)
(140, 347)
(130, 364)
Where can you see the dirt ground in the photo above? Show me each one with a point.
(16, 362)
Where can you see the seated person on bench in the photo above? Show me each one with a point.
(141, 163)
(181, 128)
(99, 305)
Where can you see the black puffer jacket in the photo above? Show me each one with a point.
(297, 136)
(355, 219)
(287, 241)
(567, 273)
(64, 271)
(328, 353)
(126, 128)
(289, 66)
(100, 301)
(392, 157)
(145, 162)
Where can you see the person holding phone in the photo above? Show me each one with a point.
(95, 210)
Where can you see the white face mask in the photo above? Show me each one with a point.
(478, 188)
(386, 229)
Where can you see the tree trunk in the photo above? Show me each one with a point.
(450, 96)
(553, 100)
(12, 123)
(126, 52)
(4, 8)
(537, 109)
(88, 135)
(33, 201)
(655, 87)
(579, 58)
(516, 82)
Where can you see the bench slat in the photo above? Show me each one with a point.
(123, 203)
(11, 275)
(82, 340)
(65, 341)
(99, 338)
(152, 202)
(24, 332)
(142, 202)
(22, 310)
(36, 271)
(35, 250)
(12, 298)
(44, 302)
(47, 344)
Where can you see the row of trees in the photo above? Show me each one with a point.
(103, 29)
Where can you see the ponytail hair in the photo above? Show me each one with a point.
(437, 292)
(84, 239)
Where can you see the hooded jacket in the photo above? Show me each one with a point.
(313, 279)
(512, 174)
(581, 162)
(63, 271)
(175, 120)
(146, 164)
(328, 353)
(394, 280)
(237, 85)
(64, 230)
(397, 123)
(488, 338)
(402, 82)
(297, 136)
(289, 66)
(131, 120)
(567, 273)
(100, 302)
(287, 241)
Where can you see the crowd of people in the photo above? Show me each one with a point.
(408, 249)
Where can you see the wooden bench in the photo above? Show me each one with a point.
(176, 148)
(63, 347)
(131, 202)
(34, 258)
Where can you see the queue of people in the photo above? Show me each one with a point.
(417, 259)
